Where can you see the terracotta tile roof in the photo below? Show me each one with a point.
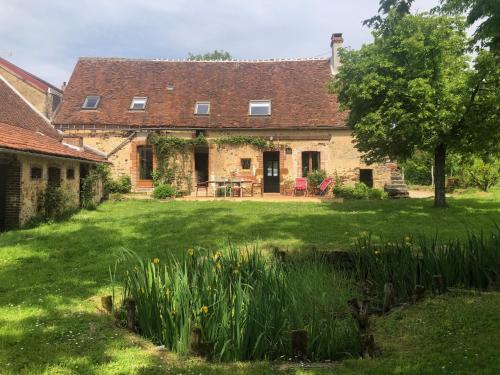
(15, 110)
(28, 77)
(20, 139)
(297, 90)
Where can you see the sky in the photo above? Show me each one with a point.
(47, 37)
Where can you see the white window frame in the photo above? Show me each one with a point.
(196, 108)
(259, 103)
(138, 99)
(85, 102)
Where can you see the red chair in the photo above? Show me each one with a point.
(300, 185)
(324, 185)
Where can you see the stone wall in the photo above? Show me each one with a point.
(42, 101)
(338, 154)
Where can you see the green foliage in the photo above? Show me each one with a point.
(164, 191)
(244, 303)
(172, 154)
(487, 12)
(472, 263)
(482, 174)
(315, 178)
(98, 174)
(210, 56)
(358, 191)
(51, 203)
(417, 169)
(240, 140)
(122, 185)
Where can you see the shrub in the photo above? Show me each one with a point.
(164, 191)
(377, 194)
(315, 178)
(245, 304)
(482, 174)
(358, 191)
(122, 185)
(97, 174)
(51, 203)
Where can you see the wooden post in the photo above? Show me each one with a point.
(389, 297)
(438, 284)
(298, 339)
(130, 306)
(107, 303)
(360, 313)
(195, 340)
(419, 293)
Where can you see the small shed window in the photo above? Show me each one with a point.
(260, 108)
(36, 173)
(70, 174)
(91, 102)
(138, 102)
(246, 163)
(54, 176)
(202, 108)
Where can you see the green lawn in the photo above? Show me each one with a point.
(50, 275)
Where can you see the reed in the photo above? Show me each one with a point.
(245, 303)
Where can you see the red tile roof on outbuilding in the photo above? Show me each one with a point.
(297, 90)
(20, 139)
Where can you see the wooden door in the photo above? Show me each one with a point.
(4, 171)
(272, 172)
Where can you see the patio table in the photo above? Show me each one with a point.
(223, 183)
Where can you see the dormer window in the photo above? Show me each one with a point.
(260, 108)
(202, 108)
(91, 102)
(138, 102)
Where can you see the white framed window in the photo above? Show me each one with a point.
(202, 108)
(91, 102)
(138, 102)
(259, 108)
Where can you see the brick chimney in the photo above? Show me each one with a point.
(73, 140)
(336, 43)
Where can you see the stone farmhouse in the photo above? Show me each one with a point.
(32, 153)
(115, 104)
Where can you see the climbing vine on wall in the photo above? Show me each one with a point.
(241, 140)
(173, 160)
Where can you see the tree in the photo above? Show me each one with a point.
(413, 89)
(215, 55)
(486, 12)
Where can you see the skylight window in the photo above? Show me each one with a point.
(260, 108)
(202, 108)
(138, 102)
(91, 102)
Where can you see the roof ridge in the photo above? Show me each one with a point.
(205, 61)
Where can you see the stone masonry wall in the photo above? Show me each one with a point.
(32, 188)
(338, 155)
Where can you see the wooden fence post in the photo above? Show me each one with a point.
(130, 307)
(298, 339)
(389, 297)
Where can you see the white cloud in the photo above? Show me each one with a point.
(47, 37)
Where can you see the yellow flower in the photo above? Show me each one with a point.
(190, 252)
(236, 271)
(407, 239)
(217, 256)
(376, 252)
(204, 309)
(156, 260)
(167, 292)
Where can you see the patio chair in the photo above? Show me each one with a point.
(257, 186)
(300, 185)
(202, 185)
(221, 184)
(323, 187)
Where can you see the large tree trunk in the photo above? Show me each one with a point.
(439, 176)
